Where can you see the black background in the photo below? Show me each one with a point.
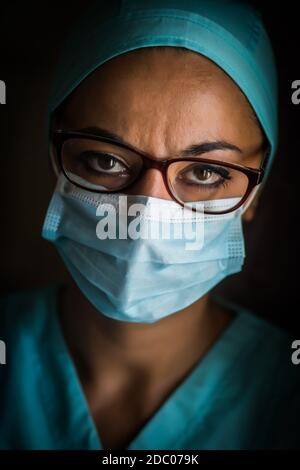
(30, 37)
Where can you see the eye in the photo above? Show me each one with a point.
(204, 175)
(103, 163)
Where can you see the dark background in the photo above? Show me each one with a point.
(30, 36)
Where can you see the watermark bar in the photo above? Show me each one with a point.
(2, 353)
(2, 92)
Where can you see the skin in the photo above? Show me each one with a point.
(161, 100)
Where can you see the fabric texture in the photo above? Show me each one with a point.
(244, 393)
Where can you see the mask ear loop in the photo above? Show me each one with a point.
(257, 188)
(53, 160)
(250, 199)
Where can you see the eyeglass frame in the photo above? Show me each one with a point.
(254, 175)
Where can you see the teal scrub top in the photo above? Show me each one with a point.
(244, 394)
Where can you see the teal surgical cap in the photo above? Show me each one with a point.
(229, 33)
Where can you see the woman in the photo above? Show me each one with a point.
(171, 106)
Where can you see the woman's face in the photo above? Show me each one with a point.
(163, 100)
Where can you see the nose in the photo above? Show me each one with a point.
(151, 183)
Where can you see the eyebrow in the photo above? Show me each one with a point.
(191, 151)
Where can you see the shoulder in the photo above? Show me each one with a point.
(24, 314)
(26, 329)
(272, 378)
(269, 341)
(259, 336)
(23, 302)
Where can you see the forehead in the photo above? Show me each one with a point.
(152, 67)
(163, 88)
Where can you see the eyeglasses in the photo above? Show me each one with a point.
(99, 164)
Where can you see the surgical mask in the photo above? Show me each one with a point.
(141, 279)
